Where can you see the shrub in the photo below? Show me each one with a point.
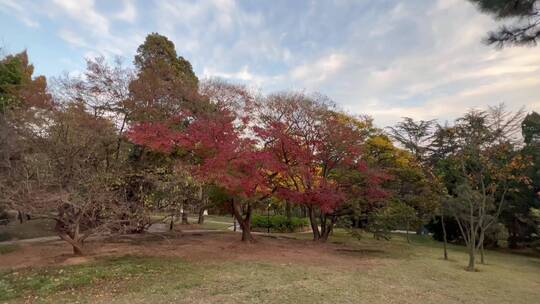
(4, 216)
(278, 223)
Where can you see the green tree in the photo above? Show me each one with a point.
(482, 172)
(409, 184)
(158, 52)
(520, 215)
(165, 82)
(525, 15)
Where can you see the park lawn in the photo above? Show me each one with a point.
(27, 230)
(211, 222)
(396, 272)
(5, 249)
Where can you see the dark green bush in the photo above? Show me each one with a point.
(278, 223)
(4, 216)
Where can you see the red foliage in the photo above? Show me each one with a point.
(279, 156)
(222, 155)
(307, 157)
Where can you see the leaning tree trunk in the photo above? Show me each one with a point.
(313, 222)
(171, 224)
(245, 223)
(75, 239)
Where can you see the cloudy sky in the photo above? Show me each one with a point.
(387, 58)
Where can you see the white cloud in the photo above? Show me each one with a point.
(16, 8)
(84, 12)
(129, 13)
(72, 38)
(384, 58)
(316, 72)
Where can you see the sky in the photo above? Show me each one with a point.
(417, 58)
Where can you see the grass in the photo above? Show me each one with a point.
(27, 230)
(398, 273)
(5, 249)
(211, 222)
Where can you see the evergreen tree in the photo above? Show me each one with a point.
(525, 14)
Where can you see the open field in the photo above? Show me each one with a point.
(27, 230)
(218, 268)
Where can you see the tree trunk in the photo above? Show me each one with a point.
(445, 241)
(328, 227)
(75, 242)
(288, 211)
(472, 250)
(185, 218)
(78, 250)
(471, 266)
(482, 253)
(322, 220)
(245, 223)
(313, 222)
(407, 232)
(201, 216)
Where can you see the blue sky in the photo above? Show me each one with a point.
(388, 59)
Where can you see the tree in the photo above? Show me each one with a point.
(519, 217)
(159, 53)
(64, 174)
(217, 152)
(482, 172)
(165, 84)
(524, 13)
(415, 136)
(396, 215)
(22, 100)
(409, 184)
(311, 142)
(104, 90)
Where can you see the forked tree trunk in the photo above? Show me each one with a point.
(313, 222)
(201, 216)
(76, 241)
(245, 222)
(328, 227)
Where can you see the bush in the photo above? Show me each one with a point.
(4, 216)
(278, 223)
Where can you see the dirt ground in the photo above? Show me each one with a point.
(194, 247)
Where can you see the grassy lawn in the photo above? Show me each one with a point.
(401, 273)
(5, 249)
(27, 230)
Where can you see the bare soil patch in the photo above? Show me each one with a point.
(194, 247)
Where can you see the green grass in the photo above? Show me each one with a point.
(27, 230)
(4, 249)
(393, 272)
